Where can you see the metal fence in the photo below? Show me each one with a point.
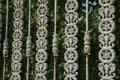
(57, 40)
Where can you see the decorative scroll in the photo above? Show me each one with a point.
(41, 43)
(106, 38)
(0, 23)
(17, 43)
(71, 31)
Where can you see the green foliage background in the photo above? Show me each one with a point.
(93, 23)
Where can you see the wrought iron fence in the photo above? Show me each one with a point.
(58, 40)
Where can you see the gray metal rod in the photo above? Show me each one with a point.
(5, 44)
(28, 50)
(87, 29)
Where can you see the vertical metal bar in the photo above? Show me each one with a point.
(5, 55)
(6, 33)
(5, 44)
(28, 63)
(87, 15)
(4, 68)
(55, 64)
(29, 42)
(87, 40)
(55, 17)
(87, 49)
(29, 21)
(55, 40)
(87, 67)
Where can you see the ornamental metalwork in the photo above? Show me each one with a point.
(71, 31)
(106, 38)
(41, 43)
(17, 43)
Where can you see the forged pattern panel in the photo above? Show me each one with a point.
(41, 43)
(106, 38)
(71, 31)
(17, 43)
(72, 67)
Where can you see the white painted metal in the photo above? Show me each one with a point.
(106, 38)
(17, 43)
(41, 43)
(71, 31)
